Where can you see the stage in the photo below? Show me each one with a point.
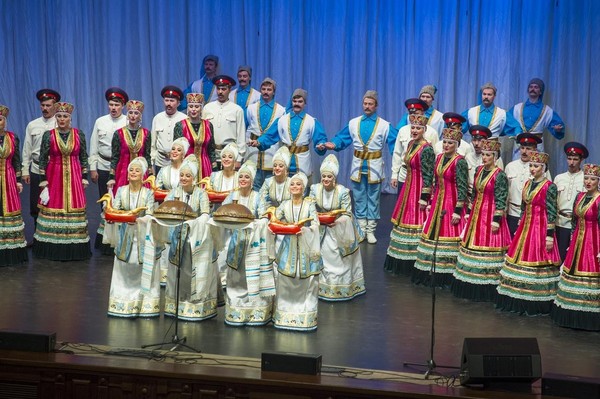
(380, 330)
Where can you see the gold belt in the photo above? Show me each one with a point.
(565, 214)
(164, 154)
(297, 149)
(367, 154)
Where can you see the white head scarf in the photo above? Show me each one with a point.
(190, 163)
(231, 148)
(183, 143)
(139, 161)
(302, 177)
(330, 164)
(283, 155)
(248, 167)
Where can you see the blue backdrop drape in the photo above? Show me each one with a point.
(334, 49)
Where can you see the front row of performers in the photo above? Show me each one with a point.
(467, 245)
(268, 277)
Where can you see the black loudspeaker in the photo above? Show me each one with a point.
(569, 386)
(500, 360)
(27, 341)
(288, 362)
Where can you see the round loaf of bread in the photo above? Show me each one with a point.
(233, 213)
(175, 210)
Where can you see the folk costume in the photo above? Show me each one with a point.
(261, 117)
(250, 283)
(13, 249)
(200, 136)
(191, 249)
(61, 231)
(482, 250)
(299, 264)
(409, 212)
(529, 277)
(128, 144)
(128, 296)
(368, 135)
(440, 238)
(577, 302)
(342, 277)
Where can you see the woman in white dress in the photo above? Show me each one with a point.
(168, 179)
(342, 276)
(131, 295)
(276, 188)
(298, 262)
(227, 178)
(198, 281)
(245, 302)
(224, 180)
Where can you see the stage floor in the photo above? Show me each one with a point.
(381, 330)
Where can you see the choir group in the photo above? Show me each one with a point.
(218, 204)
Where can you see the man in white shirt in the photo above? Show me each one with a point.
(490, 115)
(261, 117)
(518, 173)
(32, 143)
(227, 119)
(163, 125)
(569, 184)
(101, 139)
(244, 95)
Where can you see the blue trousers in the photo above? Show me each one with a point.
(366, 198)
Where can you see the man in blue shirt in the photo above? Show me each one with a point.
(244, 94)
(535, 117)
(262, 115)
(489, 115)
(296, 130)
(368, 134)
(204, 85)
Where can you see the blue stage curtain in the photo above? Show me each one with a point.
(335, 49)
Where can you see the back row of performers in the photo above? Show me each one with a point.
(259, 125)
(442, 236)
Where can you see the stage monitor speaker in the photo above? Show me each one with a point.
(570, 386)
(27, 341)
(289, 362)
(500, 360)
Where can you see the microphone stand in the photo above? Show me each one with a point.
(176, 340)
(430, 363)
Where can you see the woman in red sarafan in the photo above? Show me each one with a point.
(577, 303)
(61, 231)
(529, 277)
(12, 239)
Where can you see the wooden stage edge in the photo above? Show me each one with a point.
(90, 371)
